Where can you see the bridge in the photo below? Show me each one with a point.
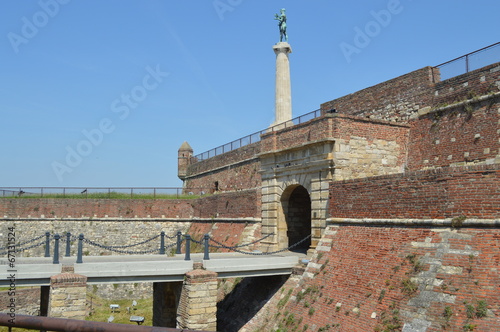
(37, 271)
(184, 284)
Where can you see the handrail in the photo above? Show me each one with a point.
(255, 137)
(63, 324)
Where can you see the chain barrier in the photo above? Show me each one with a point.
(24, 249)
(135, 244)
(263, 253)
(242, 245)
(26, 242)
(117, 249)
(128, 252)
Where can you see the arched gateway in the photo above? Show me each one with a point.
(296, 213)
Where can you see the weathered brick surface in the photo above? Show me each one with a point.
(466, 134)
(232, 204)
(401, 98)
(368, 278)
(233, 170)
(442, 193)
(475, 83)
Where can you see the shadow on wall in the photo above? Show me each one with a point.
(245, 300)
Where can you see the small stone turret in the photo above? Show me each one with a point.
(184, 156)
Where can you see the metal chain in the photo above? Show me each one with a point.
(26, 242)
(128, 252)
(118, 247)
(24, 249)
(241, 245)
(263, 253)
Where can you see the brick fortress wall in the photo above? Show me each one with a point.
(442, 193)
(378, 278)
(408, 96)
(243, 204)
(233, 170)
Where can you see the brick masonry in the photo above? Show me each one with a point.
(465, 133)
(415, 279)
(401, 98)
(236, 205)
(470, 191)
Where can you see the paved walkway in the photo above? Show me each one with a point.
(36, 271)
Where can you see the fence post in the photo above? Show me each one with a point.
(179, 241)
(162, 243)
(205, 243)
(56, 249)
(47, 244)
(79, 255)
(68, 244)
(188, 248)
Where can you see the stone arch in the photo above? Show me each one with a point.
(294, 221)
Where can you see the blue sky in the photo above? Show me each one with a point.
(103, 93)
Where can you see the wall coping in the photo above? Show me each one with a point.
(439, 171)
(142, 219)
(428, 110)
(407, 222)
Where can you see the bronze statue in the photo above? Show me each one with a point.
(282, 24)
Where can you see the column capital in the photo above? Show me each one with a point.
(282, 47)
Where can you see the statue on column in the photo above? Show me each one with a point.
(282, 24)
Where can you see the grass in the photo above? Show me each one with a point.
(100, 311)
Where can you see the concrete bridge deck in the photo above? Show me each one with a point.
(36, 271)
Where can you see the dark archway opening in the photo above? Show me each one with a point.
(298, 219)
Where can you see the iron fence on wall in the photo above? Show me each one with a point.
(470, 61)
(99, 192)
(255, 137)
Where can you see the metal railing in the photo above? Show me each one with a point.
(470, 61)
(101, 192)
(255, 137)
(14, 321)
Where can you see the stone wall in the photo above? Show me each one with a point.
(27, 301)
(67, 297)
(375, 278)
(473, 192)
(198, 301)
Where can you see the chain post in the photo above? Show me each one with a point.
(56, 249)
(79, 258)
(179, 242)
(68, 244)
(205, 243)
(47, 244)
(188, 248)
(162, 243)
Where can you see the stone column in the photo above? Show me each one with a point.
(198, 303)
(67, 296)
(283, 106)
